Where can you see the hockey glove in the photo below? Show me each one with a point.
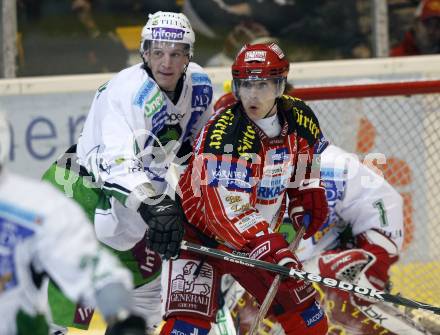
(385, 254)
(132, 325)
(367, 266)
(165, 226)
(274, 248)
(308, 206)
(344, 264)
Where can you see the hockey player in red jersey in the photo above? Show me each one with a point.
(247, 159)
(359, 242)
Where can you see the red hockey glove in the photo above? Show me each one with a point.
(347, 265)
(384, 253)
(343, 265)
(367, 266)
(308, 206)
(273, 248)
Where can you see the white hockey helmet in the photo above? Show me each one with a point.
(167, 27)
(5, 140)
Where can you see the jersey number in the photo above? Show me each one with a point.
(382, 212)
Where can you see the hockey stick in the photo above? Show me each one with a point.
(274, 288)
(392, 319)
(310, 277)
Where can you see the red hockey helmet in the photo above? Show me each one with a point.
(428, 9)
(260, 62)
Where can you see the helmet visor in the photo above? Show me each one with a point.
(180, 48)
(178, 52)
(258, 95)
(262, 88)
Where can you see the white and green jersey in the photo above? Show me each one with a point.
(357, 196)
(131, 117)
(41, 231)
(132, 134)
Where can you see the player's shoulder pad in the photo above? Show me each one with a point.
(31, 191)
(198, 74)
(196, 68)
(149, 97)
(202, 92)
(301, 118)
(132, 84)
(334, 164)
(125, 80)
(230, 132)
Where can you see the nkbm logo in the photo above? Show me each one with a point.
(168, 34)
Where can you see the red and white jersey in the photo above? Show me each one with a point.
(235, 186)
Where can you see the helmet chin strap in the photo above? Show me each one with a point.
(270, 110)
(274, 104)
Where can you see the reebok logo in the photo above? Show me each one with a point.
(162, 208)
(170, 34)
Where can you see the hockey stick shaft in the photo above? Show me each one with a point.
(274, 287)
(307, 276)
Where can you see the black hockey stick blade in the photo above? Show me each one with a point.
(242, 259)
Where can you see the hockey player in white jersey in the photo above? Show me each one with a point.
(361, 238)
(362, 201)
(144, 118)
(42, 233)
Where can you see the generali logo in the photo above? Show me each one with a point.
(191, 287)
